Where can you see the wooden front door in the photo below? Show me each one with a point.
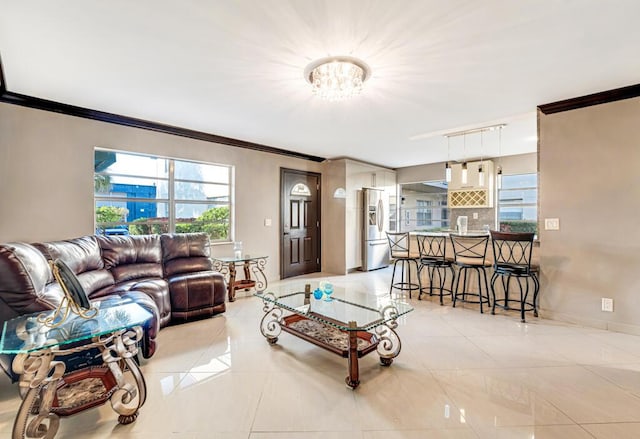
(299, 222)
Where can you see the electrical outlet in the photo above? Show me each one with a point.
(552, 223)
(607, 304)
(475, 215)
(267, 222)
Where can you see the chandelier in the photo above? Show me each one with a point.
(337, 78)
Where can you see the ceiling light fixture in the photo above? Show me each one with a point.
(499, 182)
(447, 168)
(477, 130)
(464, 164)
(481, 173)
(480, 168)
(337, 78)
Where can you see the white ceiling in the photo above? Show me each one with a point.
(234, 68)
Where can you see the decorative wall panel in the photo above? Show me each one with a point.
(468, 198)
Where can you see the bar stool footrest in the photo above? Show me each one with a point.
(406, 286)
(484, 299)
(528, 305)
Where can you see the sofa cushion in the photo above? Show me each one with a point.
(80, 254)
(156, 288)
(92, 281)
(83, 256)
(131, 257)
(185, 253)
(24, 272)
(125, 273)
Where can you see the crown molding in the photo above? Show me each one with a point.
(10, 97)
(618, 94)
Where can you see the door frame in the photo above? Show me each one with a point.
(284, 171)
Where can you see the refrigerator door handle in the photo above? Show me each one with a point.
(380, 215)
(371, 244)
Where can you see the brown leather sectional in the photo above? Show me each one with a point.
(170, 275)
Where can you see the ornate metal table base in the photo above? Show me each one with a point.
(251, 265)
(43, 379)
(352, 344)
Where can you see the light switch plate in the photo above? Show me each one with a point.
(552, 223)
(267, 222)
(607, 304)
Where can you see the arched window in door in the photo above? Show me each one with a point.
(300, 190)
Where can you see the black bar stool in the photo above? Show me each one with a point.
(512, 258)
(470, 252)
(433, 257)
(400, 250)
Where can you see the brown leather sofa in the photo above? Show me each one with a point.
(170, 275)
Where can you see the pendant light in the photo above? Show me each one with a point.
(499, 182)
(480, 168)
(464, 164)
(447, 168)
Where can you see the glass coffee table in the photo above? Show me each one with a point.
(349, 323)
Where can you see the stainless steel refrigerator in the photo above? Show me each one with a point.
(375, 216)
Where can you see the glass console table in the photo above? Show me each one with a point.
(350, 324)
(255, 265)
(48, 392)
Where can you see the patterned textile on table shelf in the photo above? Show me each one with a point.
(327, 334)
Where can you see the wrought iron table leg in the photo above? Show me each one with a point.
(41, 374)
(247, 272)
(270, 323)
(232, 282)
(119, 357)
(259, 276)
(389, 344)
(353, 380)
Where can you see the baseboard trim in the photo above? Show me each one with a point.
(591, 323)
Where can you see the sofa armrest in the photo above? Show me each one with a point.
(197, 294)
(152, 326)
(185, 253)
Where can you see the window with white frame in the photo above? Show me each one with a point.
(518, 203)
(140, 194)
(423, 212)
(424, 206)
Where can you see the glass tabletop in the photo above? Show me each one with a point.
(25, 334)
(229, 259)
(344, 305)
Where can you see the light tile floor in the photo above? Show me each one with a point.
(460, 375)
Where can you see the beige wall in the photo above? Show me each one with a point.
(333, 218)
(46, 177)
(514, 164)
(342, 222)
(419, 173)
(517, 164)
(589, 179)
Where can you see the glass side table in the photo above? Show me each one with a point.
(255, 265)
(48, 393)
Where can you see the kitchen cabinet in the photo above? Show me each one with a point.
(471, 193)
